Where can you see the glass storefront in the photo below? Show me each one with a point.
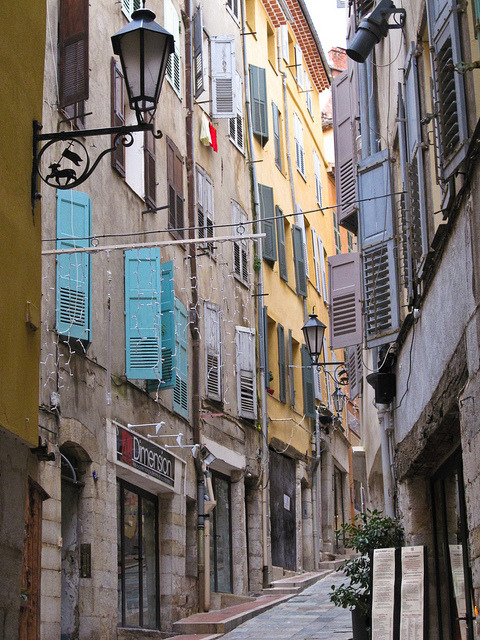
(137, 531)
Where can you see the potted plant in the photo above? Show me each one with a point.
(370, 530)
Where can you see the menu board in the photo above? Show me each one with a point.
(412, 600)
(383, 594)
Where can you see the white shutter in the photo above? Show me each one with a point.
(316, 261)
(223, 76)
(284, 41)
(246, 372)
(321, 255)
(308, 89)
(172, 25)
(317, 380)
(299, 66)
(240, 247)
(299, 150)
(300, 222)
(213, 363)
(318, 179)
(236, 123)
(129, 6)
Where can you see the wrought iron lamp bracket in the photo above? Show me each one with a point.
(339, 374)
(66, 177)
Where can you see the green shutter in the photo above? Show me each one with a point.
(308, 384)
(143, 339)
(73, 312)
(267, 213)
(282, 390)
(180, 390)
(291, 369)
(258, 93)
(282, 247)
(299, 258)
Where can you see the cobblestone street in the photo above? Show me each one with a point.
(307, 616)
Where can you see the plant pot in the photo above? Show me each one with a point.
(359, 626)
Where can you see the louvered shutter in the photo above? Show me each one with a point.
(240, 246)
(143, 331)
(73, 51)
(345, 311)
(223, 76)
(284, 40)
(167, 307)
(308, 94)
(258, 96)
(149, 174)
(355, 370)
(317, 379)
(276, 136)
(380, 287)
(318, 178)
(117, 114)
(73, 309)
(299, 66)
(236, 123)
(246, 374)
(323, 272)
(282, 380)
(299, 259)
(316, 262)
(300, 222)
(180, 390)
(416, 162)
(444, 34)
(266, 362)
(213, 363)
(291, 371)
(343, 133)
(175, 189)
(299, 150)
(282, 247)
(308, 384)
(199, 85)
(172, 25)
(129, 6)
(267, 213)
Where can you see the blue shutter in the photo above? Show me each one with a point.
(268, 222)
(377, 241)
(73, 310)
(180, 390)
(308, 384)
(299, 258)
(143, 334)
(168, 326)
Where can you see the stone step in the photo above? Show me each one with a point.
(331, 565)
(194, 636)
(302, 580)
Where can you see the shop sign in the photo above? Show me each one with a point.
(141, 454)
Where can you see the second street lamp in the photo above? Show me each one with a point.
(313, 332)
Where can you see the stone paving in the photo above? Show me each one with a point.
(308, 616)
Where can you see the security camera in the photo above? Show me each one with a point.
(373, 28)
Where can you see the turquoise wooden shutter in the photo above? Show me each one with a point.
(258, 94)
(299, 259)
(267, 212)
(73, 310)
(308, 384)
(143, 333)
(377, 241)
(282, 381)
(282, 247)
(167, 307)
(180, 391)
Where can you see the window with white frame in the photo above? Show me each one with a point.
(236, 123)
(308, 93)
(205, 207)
(336, 230)
(299, 67)
(129, 6)
(172, 25)
(233, 7)
(318, 179)
(299, 150)
(240, 247)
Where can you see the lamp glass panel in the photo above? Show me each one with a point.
(130, 45)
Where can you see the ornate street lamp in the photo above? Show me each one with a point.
(313, 332)
(144, 48)
(338, 398)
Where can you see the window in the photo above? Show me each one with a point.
(276, 136)
(267, 213)
(246, 372)
(299, 74)
(129, 6)
(180, 390)
(291, 367)
(175, 190)
(318, 178)
(172, 25)
(300, 222)
(299, 150)
(73, 286)
(299, 260)
(282, 371)
(205, 207)
(336, 232)
(138, 573)
(143, 330)
(308, 90)
(213, 353)
(258, 96)
(73, 52)
(316, 262)
(236, 123)
(198, 53)
(284, 38)
(282, 248)
(323, 273)
(308, 384)
(240, 247)
(271, 46)
(223, 77)
(233, 7)
(350, 241)
(117, 118)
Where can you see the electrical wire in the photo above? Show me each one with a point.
(409, 369)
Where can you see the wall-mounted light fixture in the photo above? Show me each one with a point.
(373, 28)
(313, 332)
(338, 398)
(143, 47)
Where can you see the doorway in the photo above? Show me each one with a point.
(221, 536)
(283, 511)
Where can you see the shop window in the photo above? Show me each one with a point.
(138, 575)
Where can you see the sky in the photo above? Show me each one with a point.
(330, 22)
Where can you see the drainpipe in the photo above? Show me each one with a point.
(384, 418)
(193, 315)
(209, 506)
(260, 316)
(316, 496)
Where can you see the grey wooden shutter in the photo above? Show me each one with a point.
(282, 248)
(299, 259)
(149, 174)
(223, 76)
(345, 311)
(258, 96)
(291, 371)
(282, 381)
(175, 189)
(117, 114)
(73, 51)
(267, 213)
(276, 136)
(199, 85)
(213, 379)
(343, 133)
(308, 384)
(355, 370)
(444, 34)
(405, 213)
(265, 351)
(246, 374)
(377, 241)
